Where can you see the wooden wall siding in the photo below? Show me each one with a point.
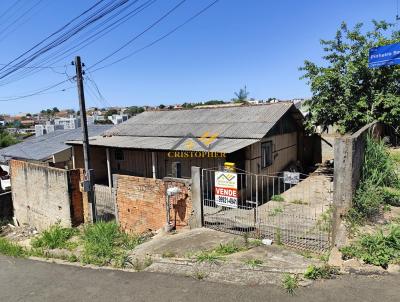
(284, 152)
(98, 160)
(137, 163)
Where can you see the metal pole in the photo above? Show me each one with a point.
(86, 153)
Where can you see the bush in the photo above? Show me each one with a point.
(378, 182)
(55, 237)
(377, 249)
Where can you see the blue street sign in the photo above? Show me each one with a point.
(384, 55)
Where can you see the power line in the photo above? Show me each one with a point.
(38, 92)
(157, 40)
(60, 55)
(140, 34)
(97, 15)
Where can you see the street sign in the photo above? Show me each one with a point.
(384, 55)
(226, 189)
(292, 178)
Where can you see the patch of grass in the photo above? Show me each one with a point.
(306, 254)
(168, 254)
(299, 201)
(255, 242)
(55, 237)
(208, 256)
(276, 211)
(11, 249)
(278, 198)
(253, 262)
(323, 272)
(377, 249)
(391, 196)
(228, 248)
(103, 244)
(290, 283)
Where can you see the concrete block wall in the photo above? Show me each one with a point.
(40, 195)
(43, 195)
(141, 203)
(348, 160)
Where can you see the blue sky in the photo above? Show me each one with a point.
(258, 43)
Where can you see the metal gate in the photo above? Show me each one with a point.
(297, 215)
(105, 205)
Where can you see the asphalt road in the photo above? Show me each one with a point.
(28, 280)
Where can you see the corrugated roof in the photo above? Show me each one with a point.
(43, 147)
(243, 122)
(167, 143)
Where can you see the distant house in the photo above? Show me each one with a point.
(50, 148)
(262, 139)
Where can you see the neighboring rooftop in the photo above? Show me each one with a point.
(234, 127)
(43, 147)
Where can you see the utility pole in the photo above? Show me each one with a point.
(89, 177)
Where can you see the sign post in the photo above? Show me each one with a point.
(226, 189)
(384, 55)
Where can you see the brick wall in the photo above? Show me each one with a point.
(77, 212)
(141, 203)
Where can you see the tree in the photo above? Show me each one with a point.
(110, 112)
(345, 92)
(133, 110)
(241, 96)
(162, 106)
(7, 139)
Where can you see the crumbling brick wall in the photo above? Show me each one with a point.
(141, 203)
(77, 206)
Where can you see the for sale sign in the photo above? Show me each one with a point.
(226, 189)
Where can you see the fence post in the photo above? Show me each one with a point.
(197, 217)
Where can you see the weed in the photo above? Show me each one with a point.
(278, 198)
(324, 257)
(290, 283)
(55, 237)
(11, 249)
(324, 272)
(324, 222)
(255, 242)
(377, 249)
(278, 237)
(306, 254)
(253, 262)
(276, 211)
(130, 242)
(228, 248)
(122, 260)
(208, 256)
(199, 275)
(168, 254)
(299, 201)
(391, 196)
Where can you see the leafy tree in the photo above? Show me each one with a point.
(162, 106)
(133, 110)
(110, 112)
(241, 96)
(347, 93)
(55, 110)
(7, 139)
